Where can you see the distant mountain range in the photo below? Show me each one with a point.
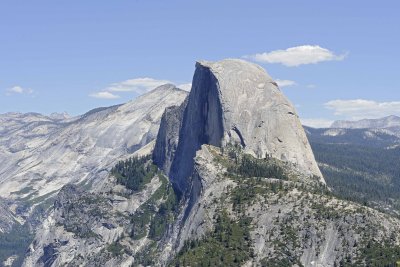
(386, 122)
(375, 137)
(383, 132)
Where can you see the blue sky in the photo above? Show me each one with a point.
(342, 56)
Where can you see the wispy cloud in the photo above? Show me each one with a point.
(317, 123)
(104, 95)
(138, 85)
(298, 55)
(285, 83)
(19, 90)
(360, 108)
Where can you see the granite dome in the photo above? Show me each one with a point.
(234, 101)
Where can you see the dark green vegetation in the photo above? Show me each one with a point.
(361, 173)
(134, 173)
(15, 242)
(244, 165)
(153, 223)
(157, 220)
(377, 254)
(153, 217)
(247, 190)
(116, 249)
(81, 212)
(252, 167)
(228, 245)
(165, 214)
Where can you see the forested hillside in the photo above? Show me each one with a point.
(365, 170)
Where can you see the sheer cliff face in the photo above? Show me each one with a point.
(168, 136)
(234, 101)
(201, 124)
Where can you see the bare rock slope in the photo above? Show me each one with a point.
(40, 155)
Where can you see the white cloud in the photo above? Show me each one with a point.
(285, 83)
(104, 95)
(363, 109)
(311, 86)
(19, 90)
(298, 55)
(317, 123)
(16, 89)
(185, 86)
(138, 85)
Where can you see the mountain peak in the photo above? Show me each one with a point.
(234, 101)
(164, 87)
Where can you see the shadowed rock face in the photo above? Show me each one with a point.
(234, 101)
(202, 124)
(168, 136)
